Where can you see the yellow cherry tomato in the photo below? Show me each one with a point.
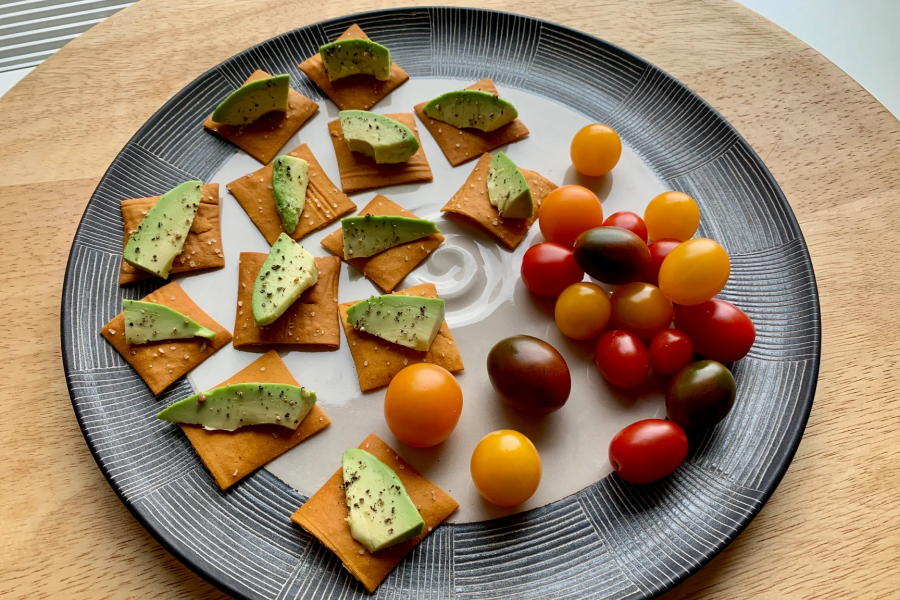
(582, 311)
(694, 272)
(672, 215)
(506, 468)
(422, 405)
(595, 150)
(641, 309)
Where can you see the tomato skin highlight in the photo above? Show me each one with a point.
(670, 351)
(612, 255)
(622, 359)
(694, 271)
(568, 211)
(648, 450)
(505, 468)
(700, 395)
(672, 215)
(529, 374)
(719, 330)
(628, 220)
(640, 308)
(548, 269)
(659, 250)
(422, 405)
(595, 150)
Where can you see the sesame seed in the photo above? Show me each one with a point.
(365, 363)
(262, 368)
(112, 331)
(186, 357)
(240, 302)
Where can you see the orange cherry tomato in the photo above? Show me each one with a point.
(640, 308)
(595, 150)
(506, 468)
(582, 311)
(694, 272)
(568, 211)
(422, 405)
(672, 215)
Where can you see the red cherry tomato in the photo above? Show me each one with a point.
(659, 250)
(627, 220)
(719, 330)
(648, 450)
(622, 359)
(670, 351)
(548, 269)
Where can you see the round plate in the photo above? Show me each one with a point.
(607, 540)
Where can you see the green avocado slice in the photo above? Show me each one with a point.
(508, 190)
(472, 109)
(252, 100)
(369, 234)
(151, 322)
(234, 406)
(409, 321)
(290, 177)
(344, 58)
(386, 140)
(287, 272)
(381, 512)
(160, 237)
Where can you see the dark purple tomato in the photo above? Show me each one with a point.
(700, 395)
(529, 374)
(648, 450)
(719, 330)
(612, 255)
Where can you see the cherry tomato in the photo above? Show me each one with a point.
(672, 215)
(582, 311)
(595, 150)
(567, 211)
(694, 271)
(670, 351)
(720, 330)
(622, 359)
(627, 220)
(529, 374)
(648, 450)
(422, 405)
(700, 395)
(659, 250)
(612, 255)
(641, 309)
(548, 269)
(506, 468)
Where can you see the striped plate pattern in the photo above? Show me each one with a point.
(612, 539)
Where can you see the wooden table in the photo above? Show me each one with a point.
(832, 529)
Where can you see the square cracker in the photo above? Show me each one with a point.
(324, 516)
(202, 246)
(360, 172)
(462, 145)
(472, 201)
(311, 320)
(232, 455)
(386, 269)
(377, 360)
(357, 91)
(160, 364)
(263, 138)
(324, 202)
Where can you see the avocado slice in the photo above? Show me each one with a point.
(368, 235)
(151, 322)
(234, 406)
(252, 100)
(290, 176)
(508, 190)
(344, 58)
(160, 237)
(473, 109)
(381, 512)
(409, 321)
(286, 273)
(378, 137)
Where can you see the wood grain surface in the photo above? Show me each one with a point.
(832, 529)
